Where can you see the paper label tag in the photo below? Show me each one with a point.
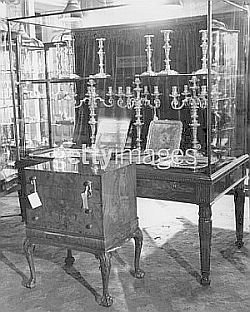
(34, 200)
(84, 200)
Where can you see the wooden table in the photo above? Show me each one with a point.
(200, 189)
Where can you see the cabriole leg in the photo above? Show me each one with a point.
(239, 201)
(138, 237)
(105, 266)
(69, 260)
(28, 248)
(205, 233)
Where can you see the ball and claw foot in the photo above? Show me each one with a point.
(205, 280)
(138, 273)
(69, 261)
(239, 243)
(31, 283)
(105, 301)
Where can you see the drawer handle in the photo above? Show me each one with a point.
(88, 188)
(174, 185)
(89, 226)
(87, 193)
(33, 183)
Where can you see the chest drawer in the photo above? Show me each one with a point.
(166, 190)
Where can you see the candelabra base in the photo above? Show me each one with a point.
(167, 72)
(203, 71)
(74, 76)
(101, 75)
(148, 73)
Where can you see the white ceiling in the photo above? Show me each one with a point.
(42, 6)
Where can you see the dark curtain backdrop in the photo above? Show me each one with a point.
(127, 41)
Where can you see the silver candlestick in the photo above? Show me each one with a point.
(204, 47)
(149, 52)
(167, 47)
(101, 54)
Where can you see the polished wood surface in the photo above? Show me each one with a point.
(93, 212)
(200, 189)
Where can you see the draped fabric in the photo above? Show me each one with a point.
(125, 57)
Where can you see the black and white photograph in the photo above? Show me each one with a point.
(125, 155)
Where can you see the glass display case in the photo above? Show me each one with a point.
(7, 144)
(166, 89)
(45, 92)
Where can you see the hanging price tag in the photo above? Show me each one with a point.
(34, 200)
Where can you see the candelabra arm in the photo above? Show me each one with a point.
(81, 102)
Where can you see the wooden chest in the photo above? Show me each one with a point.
(102, 218)
(70, 205)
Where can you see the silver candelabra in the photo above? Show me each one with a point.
(92, 98)
(194, 100)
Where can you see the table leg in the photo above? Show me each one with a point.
(138, 237)
(205, 233)
(69, 260)
(28, 248)
(239, 201)
(105, 266)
